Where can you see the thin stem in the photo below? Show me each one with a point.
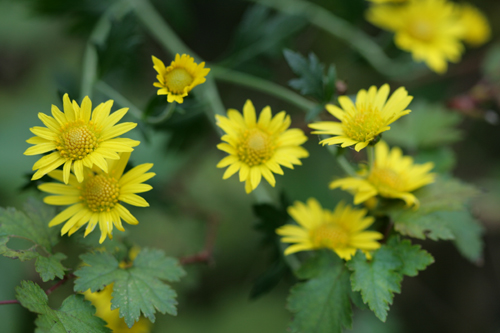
(166, 114)
(262, 195)
(205, 255)
(12, 301)
(370, 150)
(119, 98)
(263, 85)
(341, 29)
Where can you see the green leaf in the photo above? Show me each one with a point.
(377, 279)
(443, 158)
(413, 258)
(75, 315)
(429, 126)
(321, 304)
(137, 288)
(312, 81)
(427, 221)
(50, 267)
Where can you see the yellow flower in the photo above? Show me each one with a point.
(101, 300)
(257, 147)
(77, 140)
(429, 29)
(342, 230)
(392, 176)
(179, 78)
(477, 29)
(360, 123)
(97, 199)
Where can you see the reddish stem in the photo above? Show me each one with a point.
(205, 255)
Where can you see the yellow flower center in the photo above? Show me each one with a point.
(100, 192)
(77, 140)
(386, 180)
(422, 30)
(256, 147)
(330, 236)
(364, 124)
(178, 79)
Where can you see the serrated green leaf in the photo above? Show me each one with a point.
(75, 315)
(50, 267)
(22, 255)
(429, 126)
(322, 304)
(312, 81)
(377, 279)
(137, 288)
(414, 259)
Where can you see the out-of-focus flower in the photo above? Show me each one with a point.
(392, 176)
(429, 29)
(257, 148)
(97, 199)
(477, 28)
(342, 231)
(361, 122)
(178, 79)
(77, 140)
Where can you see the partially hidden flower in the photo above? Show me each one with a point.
(429, 29)
(178, 79)
(97, 200)
(257, 147)
(362, 121)
(342, 230)
(392, 176)
(78, 138)
(477, 28)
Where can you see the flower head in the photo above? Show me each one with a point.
(342, 230)
(98, 198)
(477, 29)
(77, 140)
(258, 147)
(177, 80)
(361, 122)
(392, 176)
(429, 29)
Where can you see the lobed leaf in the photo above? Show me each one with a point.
(413, 258)
(50, 267)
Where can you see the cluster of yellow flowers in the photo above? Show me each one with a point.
(259, 147)
(432, 30)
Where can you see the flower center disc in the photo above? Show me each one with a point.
(255, 148)
(421, 30)
(363, 125)
(330, 236)
(101, 193)
(386, 180)
(178, 79)
(76, 142)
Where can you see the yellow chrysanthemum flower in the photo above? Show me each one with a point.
(177, 80)
(392, 176)
(101, 300)
(429, 29)
(477, 29)
(360, 123)
(258, 147)
(342, 231)
(97, 199)
(77, 140)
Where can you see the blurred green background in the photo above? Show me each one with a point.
(41, 57)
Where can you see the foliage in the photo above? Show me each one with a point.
(137, 288)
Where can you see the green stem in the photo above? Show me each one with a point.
(341, 29)
(119, 99)
(262, 195)
(165, 115)
(370, 150)
(263, 85)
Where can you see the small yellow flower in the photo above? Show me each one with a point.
(177, 80)
(360, 123)
(258, 147)
(392, 176)
(97, 199)
(101, 300)
(77, 140)
(429, 29)
(342, 231)
(477, 29)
